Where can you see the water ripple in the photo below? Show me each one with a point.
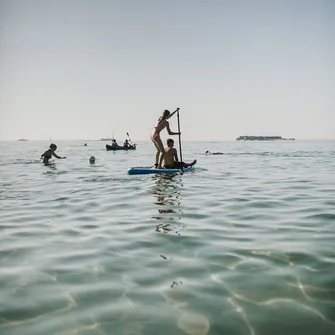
(244, 245)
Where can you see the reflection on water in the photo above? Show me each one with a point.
(162, 228)
(51, 166)
(166, 189)
(167, 196)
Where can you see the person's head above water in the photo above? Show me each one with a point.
(53, 146)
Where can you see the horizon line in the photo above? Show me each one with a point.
(200, 140)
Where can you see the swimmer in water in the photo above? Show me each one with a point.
(49, 153)
(213, 153)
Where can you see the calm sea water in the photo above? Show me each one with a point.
(243, 245)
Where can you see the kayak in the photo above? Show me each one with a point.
(114, 148)
(148, 170)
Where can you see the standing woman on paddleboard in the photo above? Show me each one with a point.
(155, 136)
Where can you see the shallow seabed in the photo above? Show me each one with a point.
(243, 245)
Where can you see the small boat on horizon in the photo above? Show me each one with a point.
(263, 138)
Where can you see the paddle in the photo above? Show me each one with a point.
(128, 137)
(180, 153)
(129, 140)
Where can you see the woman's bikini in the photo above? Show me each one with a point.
(155, 134)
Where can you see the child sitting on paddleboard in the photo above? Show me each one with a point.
(155, 137)
(49, 153)
(171, 157)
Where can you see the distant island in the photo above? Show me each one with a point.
(22, 139)
(262, 138)
(105, 139)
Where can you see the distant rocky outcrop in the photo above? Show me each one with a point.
(262, 138)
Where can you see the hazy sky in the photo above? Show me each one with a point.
(77, 69)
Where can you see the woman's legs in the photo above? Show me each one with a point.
(157, 157)
(160, 151)
(161, 159)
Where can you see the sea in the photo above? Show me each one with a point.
(244, 244)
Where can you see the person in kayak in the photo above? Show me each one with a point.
(171, 157)
(126, 144)
(155, 136)
(49, 153)
(114, 144)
